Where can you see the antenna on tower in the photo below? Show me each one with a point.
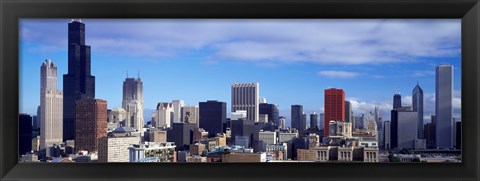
(127, 73)
(138, 74)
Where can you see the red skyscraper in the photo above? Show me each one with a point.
(334, 107)
(90, 123)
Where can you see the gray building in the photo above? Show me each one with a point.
(443, 106)
(297, 117)
(322, 120)
(348, 112)
(132, 102)
(314, 120)
(245, 96)
(386, 135)
(417, 103)
(406, 129)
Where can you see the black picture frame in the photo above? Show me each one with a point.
(467, 10)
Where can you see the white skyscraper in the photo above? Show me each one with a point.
(164, 115)
(177, 110)
(51, 106)
(133, 102)
(443, 106)
(245, 96)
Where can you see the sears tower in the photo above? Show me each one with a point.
(78, 83)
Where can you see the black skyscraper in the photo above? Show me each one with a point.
(25, 130)
(397, 101)
(271, 110)
(212, 115)
(314, 120)
(78, 83)
(297, 117)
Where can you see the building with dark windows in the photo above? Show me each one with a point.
(334, 107)
(78, 83)
(297, 117)
(349, 113)
(25, 130)
(397, 101)
(314, 120)
(417, 104)
(212, 115)
(429, 132)
(458, 135)
(271, 110)
(90, 123)
(182, 135)
(403, 128)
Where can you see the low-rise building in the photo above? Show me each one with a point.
(244, 157)
(278, 148)
(165, 152)
(115, 148)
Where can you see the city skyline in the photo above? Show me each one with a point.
(298, 77)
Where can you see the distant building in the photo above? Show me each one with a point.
(90, 123)
(25, 134)
(271, 110)
(245, 96)
(417, 104)
(349, 113)
(281, 147)
(36, 144)
(322, 121)
(158, 136)
(397, 101)
(177, 111)
(263, 118)
(334, 107)
(239, 114)
(152, 152)
(386, 129)
(287, 137)
(212, 116)
(163, 115)
(190, 114)
(197, 149)
(282, 123)
(297, 120)
(335, 153)
(444, 106)
(314, 120)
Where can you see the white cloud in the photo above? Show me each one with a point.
(342, 42)
(338, 74)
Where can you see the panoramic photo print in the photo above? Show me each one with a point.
(240, 90)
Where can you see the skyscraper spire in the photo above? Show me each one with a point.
(127, 73)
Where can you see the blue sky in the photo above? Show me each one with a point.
(293, 60)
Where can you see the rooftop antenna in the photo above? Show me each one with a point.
(127, 73)
(138, 74)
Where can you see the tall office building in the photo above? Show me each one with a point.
(51, 106)
(334, 107)
(163, 115)
(90, 124)
(177, 111)
(25, 134)
(132, 102)
(78, 83)
(212, 115)
(348, 112)
(297, 117)
(39, 116)
(314, 120)
(245, 97)
(444, 106)
(271, 110)
(417, 101)
(397, 101)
